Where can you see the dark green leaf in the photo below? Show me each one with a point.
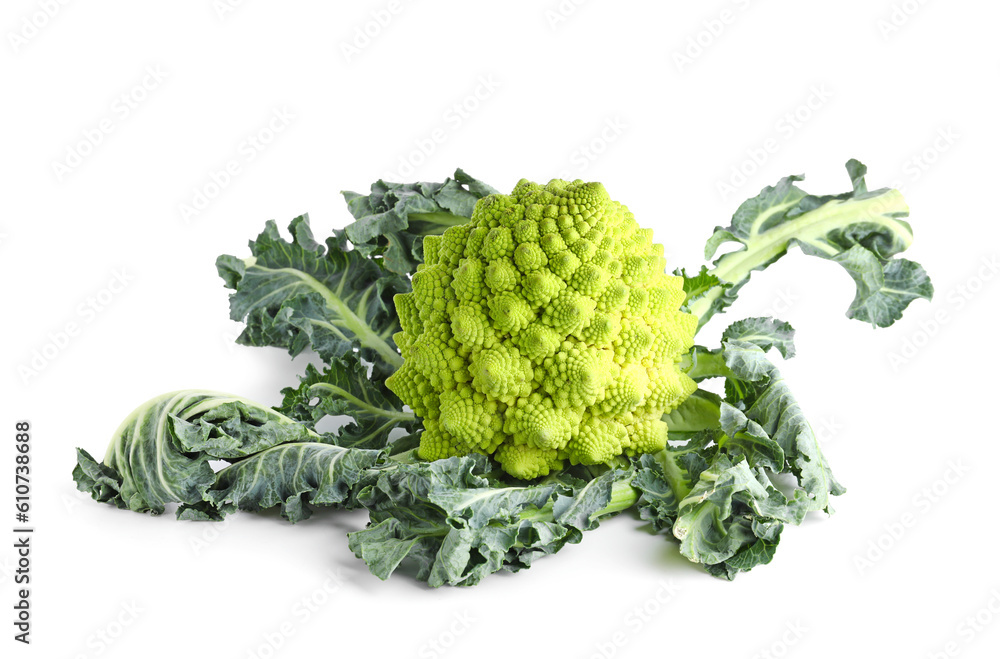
(345, 388)
(292, 476)
(766, 333)
(747, 439)
(730, 509)
(161, 455)
(883, 291)
(768, 402)
(699, 411)
(455, 524)
(392, 220)
(861, 230)
(297, 294)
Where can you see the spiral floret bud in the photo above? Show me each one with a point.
(544, 331)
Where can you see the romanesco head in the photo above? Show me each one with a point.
(544, 330)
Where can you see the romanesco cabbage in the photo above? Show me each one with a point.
(543, 330)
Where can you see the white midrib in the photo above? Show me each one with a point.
(163, 406)
(356, 325)
(282, 449)
(812, 225)
(761, 248)
(365, 405)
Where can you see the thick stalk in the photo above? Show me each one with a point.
(623, 497)
(673, 473)
(760, 249)
(701, 365)
(405, 457)
(434, 223)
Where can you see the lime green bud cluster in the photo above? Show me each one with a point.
(544, 330)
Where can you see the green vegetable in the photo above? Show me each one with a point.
(452, 521)
(860, 230)
(392, 221)
(300, 294)
(344, 388)
(543, 330)
(542, 340)
(160, 455)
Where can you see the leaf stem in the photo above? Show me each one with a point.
(398, 417)
(360, 328)
(673, 473)
(623, 497)
(762, 248)
(700, 365)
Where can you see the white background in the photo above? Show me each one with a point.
(908, 88)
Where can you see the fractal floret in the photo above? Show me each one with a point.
(544, 330)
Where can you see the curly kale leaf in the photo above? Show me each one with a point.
(765, 333)
(345, 388)
(161, 455)
(392, 220)
(711, 486)
(297, 294)
(292, 476)
(726, 514)
(454, 524)
(861, 230)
